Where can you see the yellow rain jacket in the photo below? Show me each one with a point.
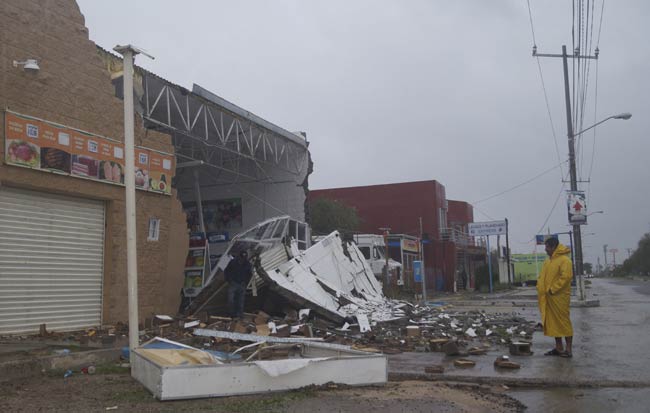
(554, 293)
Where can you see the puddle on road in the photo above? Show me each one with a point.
(584, 400)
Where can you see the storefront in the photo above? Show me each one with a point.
(52, 261)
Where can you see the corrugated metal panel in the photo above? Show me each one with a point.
(51, 261)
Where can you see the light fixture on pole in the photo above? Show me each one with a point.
(574, 181)
(128, 53)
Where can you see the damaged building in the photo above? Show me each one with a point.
(206, 169)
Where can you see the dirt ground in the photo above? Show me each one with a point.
(114, 390)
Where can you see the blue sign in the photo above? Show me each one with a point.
(217, 237)
(417, 271)
(541, 239)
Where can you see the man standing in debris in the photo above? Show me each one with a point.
(238, 273)
(554, 296)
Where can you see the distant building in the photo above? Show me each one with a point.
(448, 250)
(527, 266)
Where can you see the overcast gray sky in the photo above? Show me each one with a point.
(394, 91)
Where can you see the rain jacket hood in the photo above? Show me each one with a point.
(561, 250)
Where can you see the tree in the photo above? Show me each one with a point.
(588, 267)
(328, 215)
(639, 261)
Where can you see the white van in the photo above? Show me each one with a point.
(373, 248)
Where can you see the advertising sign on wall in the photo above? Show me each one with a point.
(219, 215)
(47, 146)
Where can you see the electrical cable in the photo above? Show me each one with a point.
(541, 77)
(519, 185)
(552, 208)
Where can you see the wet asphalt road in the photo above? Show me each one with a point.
(611, 343)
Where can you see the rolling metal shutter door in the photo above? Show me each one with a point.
(51, 261)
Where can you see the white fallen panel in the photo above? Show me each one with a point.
(318, 365)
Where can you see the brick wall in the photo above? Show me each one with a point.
(74, 88)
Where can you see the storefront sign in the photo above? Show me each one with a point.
(47, 146)
(540, 239)
(410, 245)
(477, 229)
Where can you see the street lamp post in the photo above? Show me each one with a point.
(128, 53)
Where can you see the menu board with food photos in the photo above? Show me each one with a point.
(39, 144)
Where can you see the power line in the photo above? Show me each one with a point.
(483, 213)
(530, 16)
(600, 26)
(593, 148)
(552, 208)
(541, 77)
(519, 185)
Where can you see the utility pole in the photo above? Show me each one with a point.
(577, 236)
(386, 279)
(424, 267)
(605, 254)
(508, 254)
(613, 251)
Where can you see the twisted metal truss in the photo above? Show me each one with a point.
(210, 129)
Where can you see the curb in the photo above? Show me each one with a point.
(526, 303)
(520, 382)
(35, 366)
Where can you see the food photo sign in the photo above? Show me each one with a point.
(38, 144)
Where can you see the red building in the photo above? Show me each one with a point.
(414, 208)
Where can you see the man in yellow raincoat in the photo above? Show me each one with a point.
(554, 296)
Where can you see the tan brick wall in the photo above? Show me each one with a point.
(73, 88)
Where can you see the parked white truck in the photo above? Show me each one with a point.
(374, 250)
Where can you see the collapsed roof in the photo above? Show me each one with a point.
(331, 277)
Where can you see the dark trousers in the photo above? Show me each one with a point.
(236, 294)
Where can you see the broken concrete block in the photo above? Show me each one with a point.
(306, 331)
(261, 318)
(412, 331)
(437, 344)
(239, 327)
(477, 351)
(291, 315)
(505, 363)
(435, 369)
(450, 348)
(520, 349)
(203, 316)
(263, 329)
(464, 363)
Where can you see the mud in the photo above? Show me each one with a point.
(98, 392)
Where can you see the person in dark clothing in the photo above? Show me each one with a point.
(238, 273)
